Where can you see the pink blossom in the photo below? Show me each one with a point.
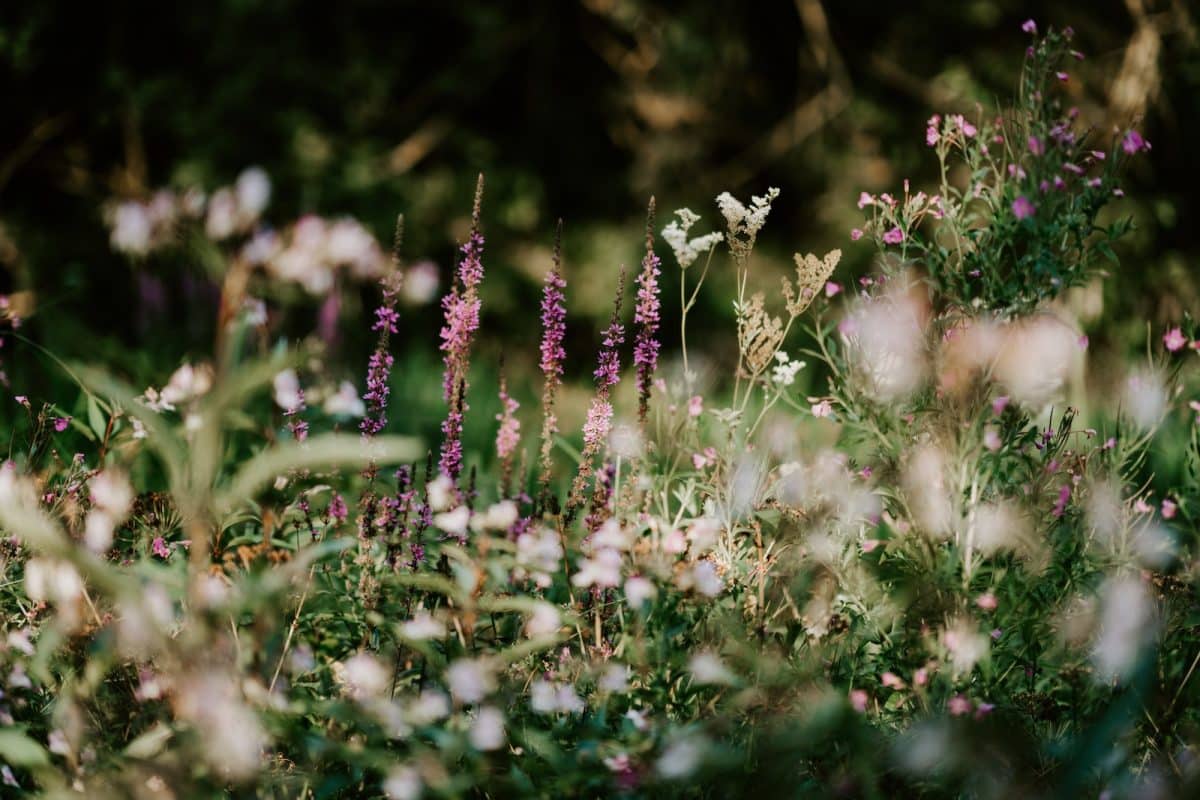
(1062, 76)
(1168, 509)
(894, 236)
(1029, 26)
(921, 677)
(1022, 208)
(999, 404)
(869, 545)
(1035, 146)
(891, 680)
(695, 406)
(856, 234)
(1060, 505)
(832, 288)
(858, 700)
(959, 705)
(822, 409)
(61, 423)
(1134, 143)
(1174, 339)
(865, 199)
(159, 548)
(987, 602)
(991, 439)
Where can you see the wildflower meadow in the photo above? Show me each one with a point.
(898, 532)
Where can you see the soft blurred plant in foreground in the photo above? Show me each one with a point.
(934, 579)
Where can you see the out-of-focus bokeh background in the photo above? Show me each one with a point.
(579, 109)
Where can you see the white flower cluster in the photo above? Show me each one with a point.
(688, 250)
(745, 223)
(312, 252)
(137, 228)
(784, 373)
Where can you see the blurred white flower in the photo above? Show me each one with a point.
(1145, 399)
(441, 493)
(682, 757)
(1035, 359)
(403, 783)
(98, 532)
(708, 668)
(364, 675)
(222, 219)
(602, 569)
(548, 698)
(287, 390)
(429, 706)
(1126, 627)
(929, 496)
(345, 402)
(615, 678)
(423, 626)
(131, 228)
(470, 680)
(544, 621)
(885, 338)
(453, 522)
(487, 729)
(638, 590)
(420, 283)
(252, 192)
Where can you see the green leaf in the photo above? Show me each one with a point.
(19, 750)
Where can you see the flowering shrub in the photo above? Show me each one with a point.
(938, 577)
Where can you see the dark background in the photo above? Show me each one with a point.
(573, 109)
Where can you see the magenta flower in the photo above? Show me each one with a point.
(1173, 340)
(865, 200)
(159, 548)
(1029, 26)
(61, 423)
(832, 288)
(508, 436)
(894, 236)
(1023, 208)
(1134, 143)
(1036, 147)
(856, 234)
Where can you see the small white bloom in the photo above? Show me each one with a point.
(638, 590)
(470, 680)
(98, 531)
(403, 783)
(441, 493)
(707, 668)
(487, 729)
(365, 676)
(287, 390)
(544, 620)
(345, 402)
(454, 522)
(423, 626)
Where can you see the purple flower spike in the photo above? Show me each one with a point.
(646, 317)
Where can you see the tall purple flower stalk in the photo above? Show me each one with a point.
(554, 331)
(461, 308)
(379, 367)
(599, 418)
(647, 318)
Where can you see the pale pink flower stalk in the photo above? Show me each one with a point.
(461, 307)
(599, 418)
(508, 436)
